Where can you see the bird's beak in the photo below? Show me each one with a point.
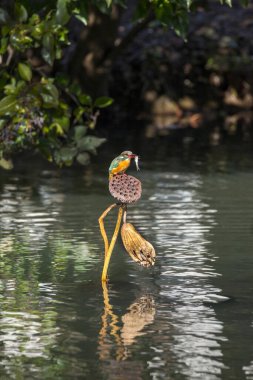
(132, 155)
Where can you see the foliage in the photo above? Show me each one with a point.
(41, 107)
(171, 12)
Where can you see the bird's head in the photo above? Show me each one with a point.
(128, 154)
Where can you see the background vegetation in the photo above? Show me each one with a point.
(56, 58)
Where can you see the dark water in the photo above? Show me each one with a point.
(189, 317)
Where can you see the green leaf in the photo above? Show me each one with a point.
(108, 2)
(21, 13)
(65, 155)
(228, 2)
(78, 113)
(5, 29)
(25, 71)
(50, 87)
(4, 45)
(8, 104)
(50, 95)
(83, 158)
(85, 100)
(62, 15)
(6, 164)
(63, 122)
(103, 102)
(80, 131)
(90, 143)
(81, 12)
(188, 3)
(2, 123)
(48, 51)
(82, 19)
(58, 128)
(48, 100)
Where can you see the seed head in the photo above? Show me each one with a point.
(125, 188)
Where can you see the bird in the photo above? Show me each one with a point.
(120, 164)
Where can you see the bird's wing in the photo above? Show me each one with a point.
(114, 164)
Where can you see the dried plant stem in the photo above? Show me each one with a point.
(125, 214)
(102, 226)
(112, 244)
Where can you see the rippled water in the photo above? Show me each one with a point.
(189, 317)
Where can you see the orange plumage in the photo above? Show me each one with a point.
(121, 167)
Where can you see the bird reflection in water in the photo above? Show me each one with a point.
(114, 340)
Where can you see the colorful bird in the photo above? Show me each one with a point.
(120, 164)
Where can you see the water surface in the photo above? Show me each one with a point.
(188, 317)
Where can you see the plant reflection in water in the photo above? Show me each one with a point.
(141, 313)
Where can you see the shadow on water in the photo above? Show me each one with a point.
(188, 317)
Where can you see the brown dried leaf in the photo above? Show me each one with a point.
(138, 248)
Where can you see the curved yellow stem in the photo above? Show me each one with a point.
(112, 244)
(102, 226)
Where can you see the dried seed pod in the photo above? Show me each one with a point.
(125, 188)
(138, 248)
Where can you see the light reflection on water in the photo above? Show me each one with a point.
(57, 322)
(183, 222)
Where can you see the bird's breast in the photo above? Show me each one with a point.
(122, 166)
